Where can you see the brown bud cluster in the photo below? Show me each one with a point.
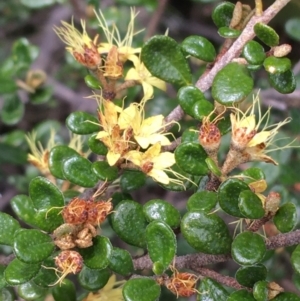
(69, 262)
(182, 284)
(89, 57)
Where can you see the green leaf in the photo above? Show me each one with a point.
(57, 156)
(260, 290)
(202, 200)
(96, 145)
(104, 171)
(286, 296)
(248, 275)
(46, 276)
(12, 110)
(120, 262)
(132, 180)
(141, 289)
(241, 295)
(2, 279)
(163, 58)
(211, 291)
(78, 170)
(250, 205)
(199, 47)
(18, 272)
(32, 246)
(190, 157)
(93, 280)
(30, 291)
(254, 53)
(41, 95)
(295, 259)
(190, 135)
(292, 28)
(48, 219)
(24, 53)
(129, 222)
(66, 291)
(213, 167)
(8, 226)
(193, 102)
(248, 248)
(161, 244)
(229, 33)
(253, 174)
(7, 294)
(222, 14)
(206, 233)
(82, 123)
(232, 84)
(228, 195)
(285, 218)
(160, 210)
(10, 154)
(266, 34)
(274, 64)
(91, 82)
(97, 256)
(45, 194)
(283, 82)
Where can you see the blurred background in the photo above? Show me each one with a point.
(41, 84)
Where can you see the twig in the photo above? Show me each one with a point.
(284, 240)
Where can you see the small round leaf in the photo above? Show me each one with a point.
(228, 33)
(46, 276)
(91, 82)
(254, 53)
(274, 64)
(120, 262)
(222, 14)
(211, 291)
(202, 200)
(206, 233)
(141, 289)
(248, 275)
(260, 290)
(82, 123)
(190, 157)
(292, 28)
(66, 291)
(250, 205)
(285, 218)
(286, 296)
(295, 259)
(266, 34)
(232, 84)
(104, 171)
(241, 295)
(132, 180)
(30, 291)
(248, 248)
(97, 146)
(283, 82)
(8, 226)
(91, 279)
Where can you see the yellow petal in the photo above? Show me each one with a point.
(248, 122)
(112, 158)
(152, 152)
(148, 90)
(164, 160)
(151, 125)
(132, 74)
(144, 142)
(128, 117)
(102, 134)
(259, 138)
(156, 82)
(135, 157)
(159, 175)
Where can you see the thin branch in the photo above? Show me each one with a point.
(283, 240)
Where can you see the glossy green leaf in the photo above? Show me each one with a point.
(48, 219)
(253, 68)
(266, 34)
(232, 84)
(2, 278)
(8, 226)
(274, 64)
(82, 123)
(193, 102)
(228, 33)
(253, 174)
(222, 14)
(96, 145)
(211, 291)
(202, 200)
(46, 276)
(30, 291)
(120, 262)
(190, 157)
(93, 280)
(292, 28)
(32, 246)
(91, 82)
(160, 210)
(42, 95)
(45, 194)
(7, 294)
(12, 109)
(104, 171)
(161, 244)
(260, 290)
(97, 256)
(248, 248)
(250, 205)
(286, 296)
(129, 222)
(206, 233)
(254, 53)
(18, 272)
(199, 47)
(283, 82)
(24, 52)
(213, 167)
(78, 170)
(228, 195)
(248, 275)
(224, 125)
(295, 259)
(241, 295)
(58, 155)
(163, 58)
(66, 291)
(190, 135)
(141, 289)
(132, 180)
(285, 218)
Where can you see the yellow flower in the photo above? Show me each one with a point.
(153, 163)
(112, 291)
(141, 74)
(113, 37)
(79, 44)
(145, 131)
